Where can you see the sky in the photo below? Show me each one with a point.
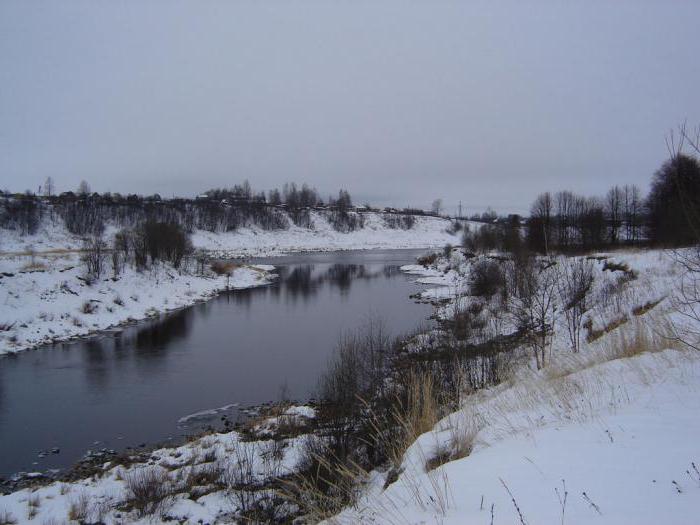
(401, 102)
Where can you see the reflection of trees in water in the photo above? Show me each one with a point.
(95, 354)
(306, 280)
(298, 282)
(341, 275)
(2, 387)
(391, 271)
(243, 297)
(152, 339)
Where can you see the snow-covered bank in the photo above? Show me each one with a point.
(610, 444)
(426, 232)
(604, 435)
(180, 477)
(49, 300)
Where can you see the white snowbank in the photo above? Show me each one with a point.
(53, 303)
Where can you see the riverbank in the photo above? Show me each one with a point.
(46, 298)
(602, 434)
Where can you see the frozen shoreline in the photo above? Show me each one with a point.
(52, 303)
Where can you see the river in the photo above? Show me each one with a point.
(138, 385)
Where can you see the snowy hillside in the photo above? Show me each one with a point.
(615, 441)
(426, 232)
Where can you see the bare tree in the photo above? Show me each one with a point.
(566, 203)
(613, 210)
(632, 212)
(574, 283)
(94, 254)
(687, 302)
(539, 231)
(532, 290)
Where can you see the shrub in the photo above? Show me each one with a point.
(485, 239)
(427, 260)
(149, 489)
(345, 221)
(486, 278)
(94, 255)
(396, 221)
(88, 307)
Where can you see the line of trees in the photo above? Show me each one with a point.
(666, 217)
(669, 216)
(565, 220)
(290, 196)
(140, 247)
(86, 214)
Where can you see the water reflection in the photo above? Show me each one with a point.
(152, 339)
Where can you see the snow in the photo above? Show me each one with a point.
(107, 491)
(295, 416)
(301, 411)
(427, 232)
(49, 301)
(626, 435)
(203, 414)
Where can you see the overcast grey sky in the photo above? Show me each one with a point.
(399, 102)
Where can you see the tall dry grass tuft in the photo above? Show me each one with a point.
(646, 335)
(325, 483)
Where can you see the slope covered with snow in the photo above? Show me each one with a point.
(614, 441)
(426, 232)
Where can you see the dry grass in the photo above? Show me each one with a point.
(149, 490)
(326, 486)
(223, 267)
(417, 415)
(594, 334)
(33, 504)
(6, 518)
(654, 335)
(35, 266)
(78, 509)
(646, 307)
(463, 433)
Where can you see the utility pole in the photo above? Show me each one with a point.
(459, 215)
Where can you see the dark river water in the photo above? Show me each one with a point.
(244, 347)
